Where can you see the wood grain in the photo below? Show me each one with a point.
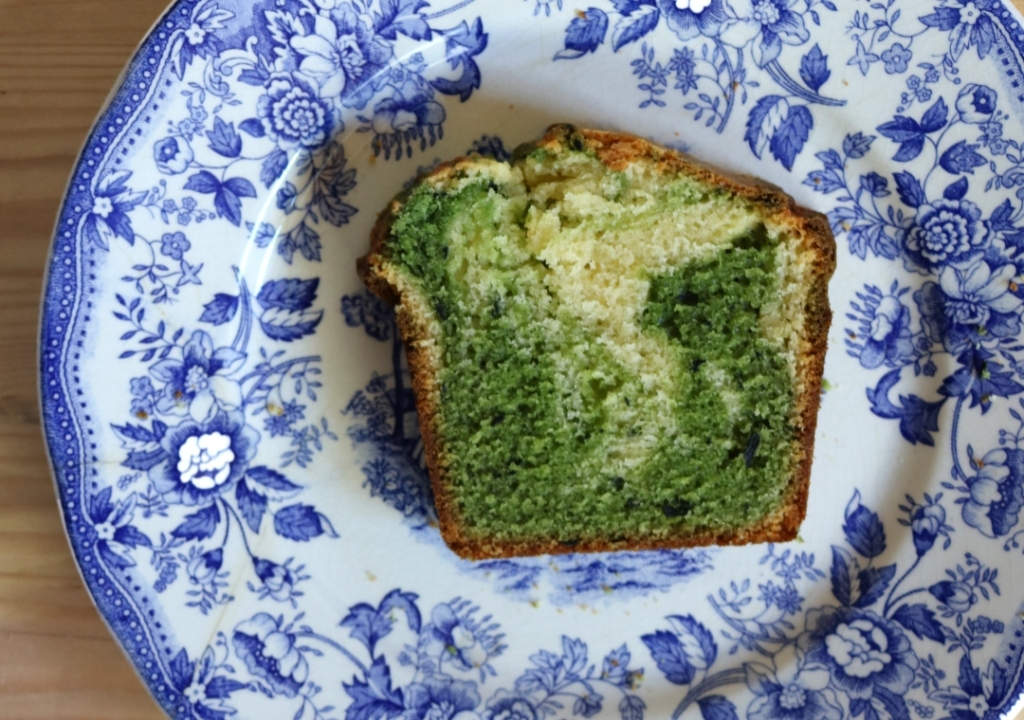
(58, 60)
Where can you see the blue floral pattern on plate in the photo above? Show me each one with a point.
(234, 436)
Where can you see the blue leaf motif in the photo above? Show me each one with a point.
(272, 479)
(204, 182)
(199, 525)
(625, 7)
(921, 621)
(374, 699)
(632, 707)
(698, 642)
(901, 129)
(461, 45)
(842, 571)
(909, 150)
(290, 294)
(909, 189)
(575, 653)
(289, 326)
(918, 418)
(956, 190)
(302, 238)
(253, 127)
(668, 654)
(228, 200)
(224, 139)
(895, 706)
(263, 235)
(814, 68)
(100, 505)
(961, 158)
(132, 537)
(301, 522)
(631, 28)
(221, 687)
(402, 16)
(406, 602)
(220, 310)
(857, 145)
(789, 139)
(765, 118)
(254, 76)
(864, 531)
(252, 505)
(333, 182)
(181, 670)
(717, 707)
(873, 582)
(935, 117)
(273, 166)
(584, 34)
(944, 18)
(368, 624)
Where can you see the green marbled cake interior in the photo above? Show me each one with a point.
(611, 366)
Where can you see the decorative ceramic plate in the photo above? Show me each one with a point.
(230, 421)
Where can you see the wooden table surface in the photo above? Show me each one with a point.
(58, 60)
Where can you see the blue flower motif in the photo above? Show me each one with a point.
(115, 535)
(174, 245)
(270, 653)
(294, 114)
(455, 637)
(141, 386)
(896, 58)
(861, 650)
(342, 55)
(889, 340)
(205, 459)
(198, 383)
(768, 24)
(412, 106)
(202, 568)
(143, 395)
(509, 706)
(293, 411)
(439, 697)
(956, 595)
(277, 424)
(996, 493)
(173, 155)
(792, 689)
(926, 522)
(684, 66)
(690, 18)
(142, 407)
(970, 306)
(108, 217)
(945, 232)
(976, 103)
(278, 581)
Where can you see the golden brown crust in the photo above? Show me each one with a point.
(617, 151)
